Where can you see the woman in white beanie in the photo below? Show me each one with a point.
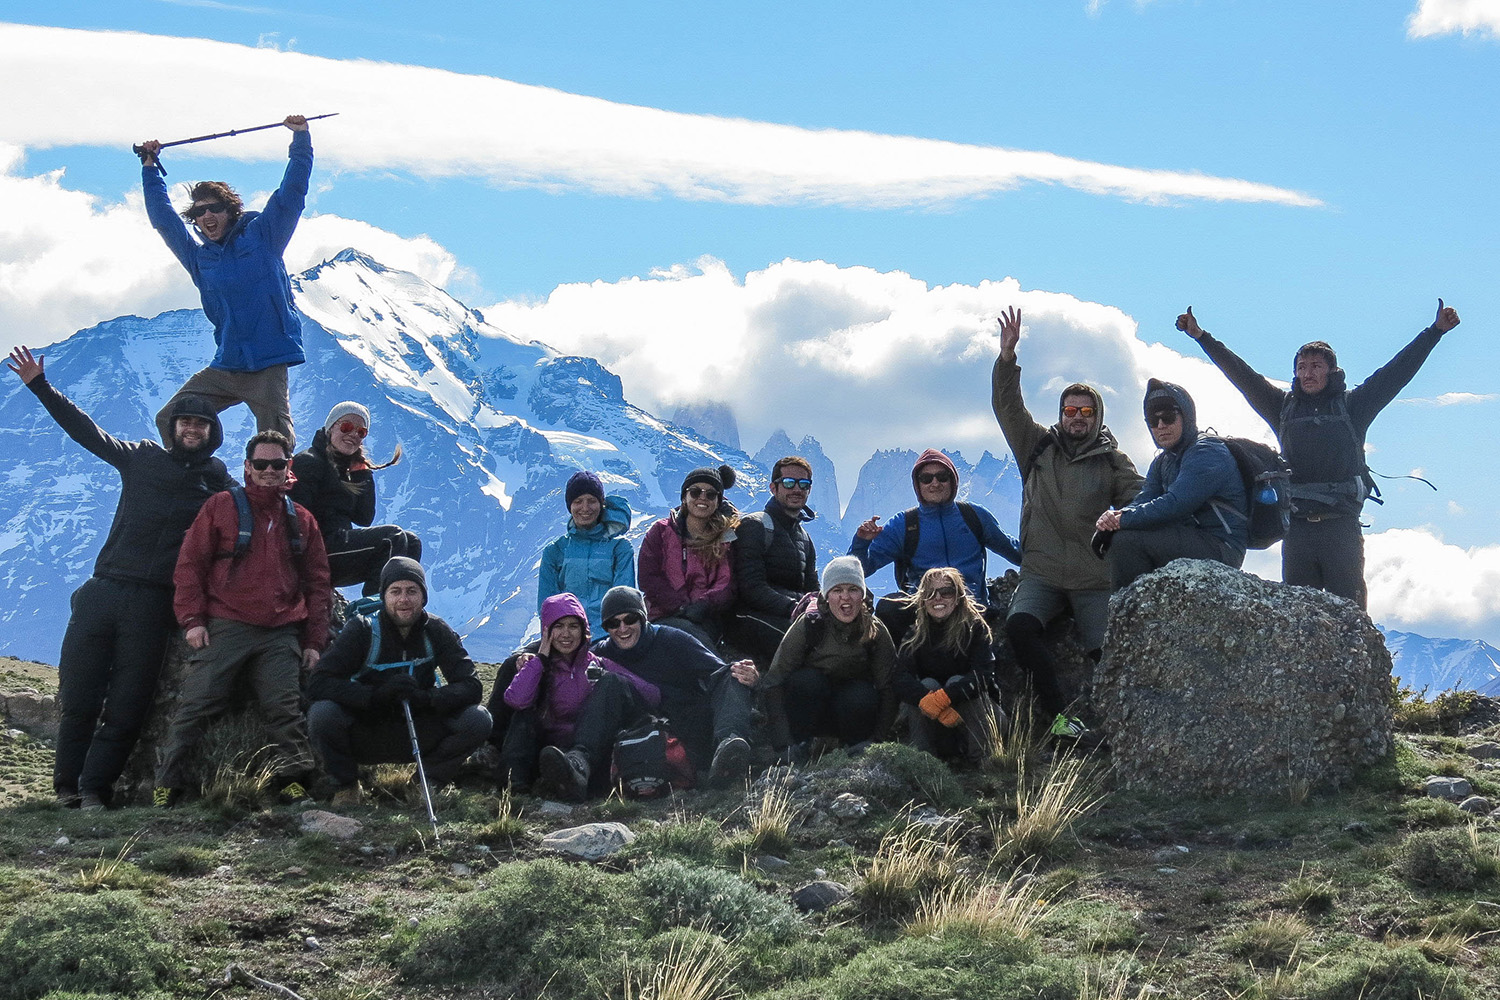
(335, 480)
(832, 674)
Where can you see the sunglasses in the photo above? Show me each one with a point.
(216, 207)
(699, 492)
(788, 483)
(628, 618)
(350, 427)
(946, 593)
(1163, 418)
(1078, 411)
(941, 477)
(262, 464)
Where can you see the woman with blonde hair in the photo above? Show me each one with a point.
(686, 570)
(944, 669)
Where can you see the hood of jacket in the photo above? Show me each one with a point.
(197, 406)
(927, 458)
(1156, 389)
(614, 519)
(1100, 431)
(561, 606)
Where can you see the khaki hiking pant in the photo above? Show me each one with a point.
(265, 392)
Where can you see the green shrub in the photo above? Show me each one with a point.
(1440, 859)
(180, 860)
(675, 895)
(1383, 974)
(108, 941)
(696, 840)
(921, 777)
(540, 921)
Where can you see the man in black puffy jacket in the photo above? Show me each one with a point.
(775, 562)
(378, 663)
(122, 615)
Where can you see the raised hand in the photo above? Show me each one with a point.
(1447, 318)
(296, 123)
(1188, 324)
(1010, 333)
(868, 529)
(23, 364)
(147, 151)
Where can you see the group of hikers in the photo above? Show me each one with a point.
(721, 644)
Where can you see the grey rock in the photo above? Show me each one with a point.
(1476, 804)
(1169, 854)
(311, 943)
(815, 897)
(771, 863)
(1167, 871)
(331, 824)
(1488, 750)
(61, 842)
(551, 808)
(848, 807)
(31, 711)
(1359, 826)
(1453, 789)
(931, 817)
(1215, 682)
(591, 841)
(460, 869)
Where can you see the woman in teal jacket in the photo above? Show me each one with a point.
(591, 556)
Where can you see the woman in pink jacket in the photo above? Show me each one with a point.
(686, 570)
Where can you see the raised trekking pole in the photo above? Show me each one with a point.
(416, 752)
(138, 150)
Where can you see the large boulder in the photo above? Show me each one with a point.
(1217, 682)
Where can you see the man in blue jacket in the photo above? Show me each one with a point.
(1193, 505)
(948, 532)
(237, 267)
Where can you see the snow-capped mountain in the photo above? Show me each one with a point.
(1443, 664)
(491, 427)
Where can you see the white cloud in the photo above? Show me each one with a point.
(806, 345)
(69, 259)
(435, 123)
(1452, 399)
(1417, 579)
(1447, 17)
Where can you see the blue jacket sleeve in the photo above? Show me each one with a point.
(276, 223)
(1207, 471)
(167, 223)
(549, 574)
(883, 549)
(995, 538)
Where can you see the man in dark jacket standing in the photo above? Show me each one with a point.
(1071, 473)
(255, 607)
(1321, 426)
(243, 283)
(377, 663)
(707, 701)
(1193, 505)
(775, 563)
(122, 615)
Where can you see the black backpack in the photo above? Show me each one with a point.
(904, 582)
(1268, 489)
(649, 762)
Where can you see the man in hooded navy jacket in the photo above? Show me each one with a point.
(1321, 424)
(1193, 505)
(122, 615)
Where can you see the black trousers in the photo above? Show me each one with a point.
(613, 705)
(359, 554)
(757, 634)
(701, 722)
(1327, 554)
(818, 705)
(344, 739)
(111, 658)
(1137, 551)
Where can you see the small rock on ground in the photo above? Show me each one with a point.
(1454, 789)
(591, 841)
(817, 896)
(332, 824)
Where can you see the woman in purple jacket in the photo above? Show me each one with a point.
(568, 706)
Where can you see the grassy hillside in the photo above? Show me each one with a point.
(1029, 878)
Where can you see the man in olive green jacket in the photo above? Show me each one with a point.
(1072, 472)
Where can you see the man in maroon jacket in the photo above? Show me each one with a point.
(252, 597)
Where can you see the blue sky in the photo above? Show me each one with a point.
(838, 193)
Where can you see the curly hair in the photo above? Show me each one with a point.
(218, 191)
(954, 633)
(709, 546)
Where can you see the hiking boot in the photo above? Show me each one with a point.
(90, 802)
(731, 760)
(166, 798)
(67, 798)
(348, 797)
(1068, 728)
(291, 792)
(567, 773)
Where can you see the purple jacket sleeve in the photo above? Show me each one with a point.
(522, 692)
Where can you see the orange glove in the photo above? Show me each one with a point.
(935, 703)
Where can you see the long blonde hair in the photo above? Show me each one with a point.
(709, 546)
(955, 633)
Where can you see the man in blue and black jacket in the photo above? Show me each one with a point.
(1193, 505)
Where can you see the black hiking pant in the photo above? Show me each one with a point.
(111, 658)
(359, 554)
(500, 712)
(702, 722)
(612, 705)
(757, 634)
(819, 705)
(1135, 552)
(1328, 554)
(1026, 634)
(345, 739)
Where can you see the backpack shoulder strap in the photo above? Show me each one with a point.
(1036, 453)
(245, 522)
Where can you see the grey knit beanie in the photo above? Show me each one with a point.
(622, 600)
(348, 408)
(844, 569)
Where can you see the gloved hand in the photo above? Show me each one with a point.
(937, 705)
(962, 691)
(394, 690)
(1100, 542)
(694, 611)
